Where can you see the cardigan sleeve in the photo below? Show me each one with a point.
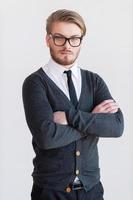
(98, 124)
(39, 117)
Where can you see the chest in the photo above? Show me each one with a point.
(59, 101)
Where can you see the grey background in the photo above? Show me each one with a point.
(107, 50)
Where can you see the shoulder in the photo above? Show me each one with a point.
(37, 77)
(34, 76)
(36, 81)
(93, 76)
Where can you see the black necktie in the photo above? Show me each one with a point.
(71, 88)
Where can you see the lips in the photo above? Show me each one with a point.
(66, 52)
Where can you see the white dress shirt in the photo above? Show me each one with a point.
(55, 72)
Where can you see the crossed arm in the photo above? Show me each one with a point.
(105, 120)
(54, 130)
(107, 106)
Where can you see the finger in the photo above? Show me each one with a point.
(114, 111)
(106, 102)
(109, 109)
(106, 106)
(110, 105)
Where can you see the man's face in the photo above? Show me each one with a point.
(65, 54)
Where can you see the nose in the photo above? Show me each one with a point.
(67, 45)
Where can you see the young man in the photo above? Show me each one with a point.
(67, 109)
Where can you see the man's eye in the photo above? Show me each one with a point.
(75, 38)
(59, 38)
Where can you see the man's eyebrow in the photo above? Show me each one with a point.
(59, 34)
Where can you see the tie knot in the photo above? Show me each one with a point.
(69, 72)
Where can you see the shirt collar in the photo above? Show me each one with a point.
(55, 68)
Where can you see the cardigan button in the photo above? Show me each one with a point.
(68, 189)
(77, 153)
(77, 171)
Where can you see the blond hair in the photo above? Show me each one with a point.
(64, 15)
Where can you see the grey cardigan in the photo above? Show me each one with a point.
(56, 163)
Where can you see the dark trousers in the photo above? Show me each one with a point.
(96, 193)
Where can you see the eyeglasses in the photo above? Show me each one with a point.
(60, 40)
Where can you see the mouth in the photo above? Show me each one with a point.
(66, 52)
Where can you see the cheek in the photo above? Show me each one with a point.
(53, 50)
(56, 50)
(76, 51)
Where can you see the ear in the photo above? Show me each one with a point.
(47, 40)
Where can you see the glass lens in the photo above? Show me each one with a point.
(75, 41)
(59, 40)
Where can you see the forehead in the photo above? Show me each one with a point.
(65, 28)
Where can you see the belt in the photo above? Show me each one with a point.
(77, 185)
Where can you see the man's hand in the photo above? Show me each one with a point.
(107, 106)
(60, 117)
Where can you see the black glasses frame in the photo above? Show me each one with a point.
(66, 39)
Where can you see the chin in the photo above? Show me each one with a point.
(67, 62)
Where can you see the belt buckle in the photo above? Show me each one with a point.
(77, 186)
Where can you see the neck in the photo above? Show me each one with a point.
(68, 66)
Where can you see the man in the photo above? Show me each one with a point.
(67, 110)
